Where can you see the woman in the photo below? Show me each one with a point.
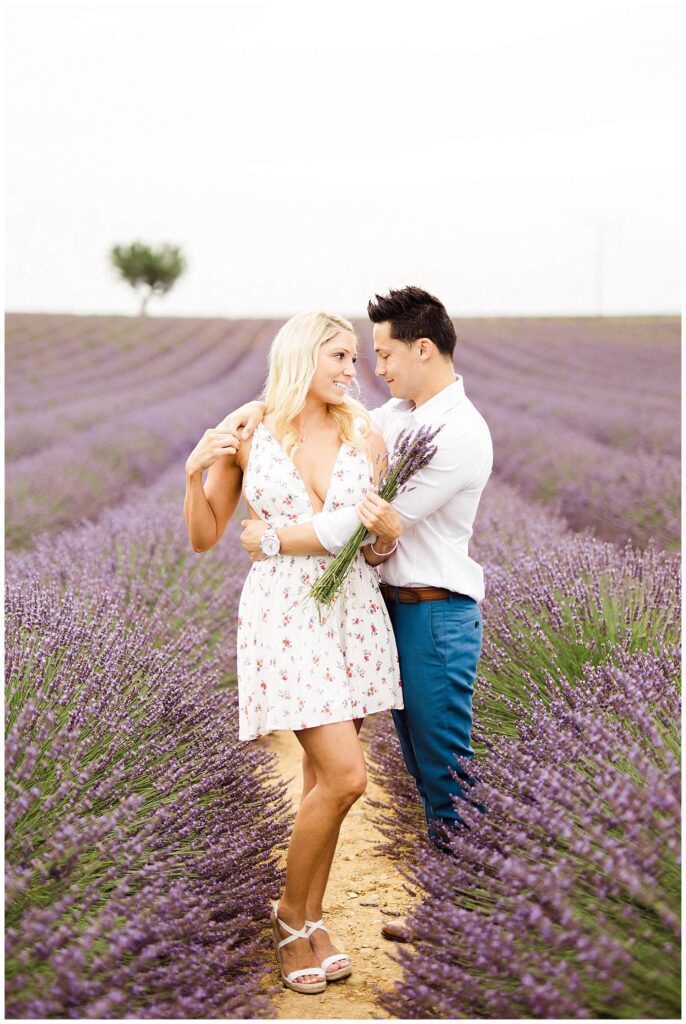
(316, 673)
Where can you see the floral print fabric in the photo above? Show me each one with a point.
(298, 665)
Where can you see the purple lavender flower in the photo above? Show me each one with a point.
(122, 768)
(563, 898)
(141, 838)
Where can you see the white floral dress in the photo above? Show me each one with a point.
(297, 669)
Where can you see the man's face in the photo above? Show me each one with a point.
(396, 361)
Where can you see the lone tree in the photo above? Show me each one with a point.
(154, 269)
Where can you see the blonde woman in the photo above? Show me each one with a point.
(317, 675)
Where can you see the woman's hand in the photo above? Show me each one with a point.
(379, 517)
(253, 530)
(213, 444)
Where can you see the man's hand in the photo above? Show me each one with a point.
(253, 529)
(380, 518)
(248, 416)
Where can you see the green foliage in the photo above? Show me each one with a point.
(154, 269)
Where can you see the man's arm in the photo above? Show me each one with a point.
(251, 414)
(458, 465)
(386, 519)
(455, 466)
(300, 540)
(247, 417)
(329, 532)
(334, 529)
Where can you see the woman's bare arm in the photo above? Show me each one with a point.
(207, 508)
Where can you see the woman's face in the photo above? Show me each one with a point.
(335, 368)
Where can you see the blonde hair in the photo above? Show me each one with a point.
(292, 363)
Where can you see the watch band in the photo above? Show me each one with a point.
(268, 534)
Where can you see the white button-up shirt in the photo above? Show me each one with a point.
(439, 505)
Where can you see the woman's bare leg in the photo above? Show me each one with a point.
(315, 896)
(335, 755)
(319, 940)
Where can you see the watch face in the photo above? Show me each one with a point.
(270, 544)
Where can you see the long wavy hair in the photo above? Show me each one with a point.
(292, 363)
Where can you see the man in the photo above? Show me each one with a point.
(431, 586)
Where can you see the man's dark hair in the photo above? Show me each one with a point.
(413, 313)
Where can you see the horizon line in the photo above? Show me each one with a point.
(352, 316)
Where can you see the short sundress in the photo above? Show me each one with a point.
(300, 666)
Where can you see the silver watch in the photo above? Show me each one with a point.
(270, 543)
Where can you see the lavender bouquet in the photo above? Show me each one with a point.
(412, 451)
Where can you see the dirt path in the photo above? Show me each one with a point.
(358, 876)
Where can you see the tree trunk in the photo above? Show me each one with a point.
(144, 303)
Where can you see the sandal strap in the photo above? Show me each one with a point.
(295, 933)
(317, 971)
(313, 925)
(333, 959)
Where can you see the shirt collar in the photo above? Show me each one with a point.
(436, 408)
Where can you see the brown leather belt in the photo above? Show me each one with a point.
(411, 595)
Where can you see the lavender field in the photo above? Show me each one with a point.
(142, 840)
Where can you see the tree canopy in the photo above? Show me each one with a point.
(143, 266)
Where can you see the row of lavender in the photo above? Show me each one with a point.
(73, 603)
(120, 404)
(131, 574)
(584, 414)
(141, 838)
(563, 899)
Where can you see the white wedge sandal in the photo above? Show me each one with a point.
(342, 972)
(289, 979)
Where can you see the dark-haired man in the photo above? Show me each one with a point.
(431, 585)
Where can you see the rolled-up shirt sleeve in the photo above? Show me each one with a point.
(334, 529)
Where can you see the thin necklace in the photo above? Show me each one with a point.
(302, 437)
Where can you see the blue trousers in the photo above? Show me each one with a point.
(439, 645)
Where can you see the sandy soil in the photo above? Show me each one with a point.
(359, 876)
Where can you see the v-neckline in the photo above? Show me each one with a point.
(299, 474)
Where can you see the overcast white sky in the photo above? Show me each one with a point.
(513, 157)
